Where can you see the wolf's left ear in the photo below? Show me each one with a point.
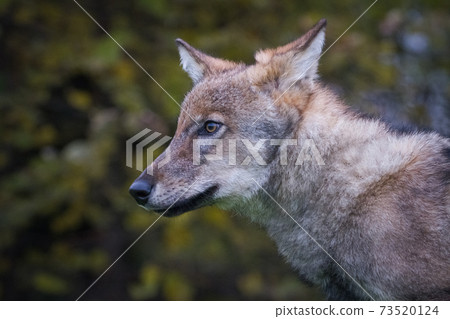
(295, 61)
(199, 65)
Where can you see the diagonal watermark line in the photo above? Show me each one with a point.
(134, 60)
(312, 238)
(133, 243)
(304, 72)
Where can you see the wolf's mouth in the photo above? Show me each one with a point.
(188, 204)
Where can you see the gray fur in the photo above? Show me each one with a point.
(380, 206)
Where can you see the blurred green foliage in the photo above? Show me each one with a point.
(69, 99)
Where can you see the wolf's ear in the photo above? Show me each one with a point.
(295, 61)
(198, 65)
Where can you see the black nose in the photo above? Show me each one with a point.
(140, 190)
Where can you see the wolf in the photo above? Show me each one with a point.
(371, 222)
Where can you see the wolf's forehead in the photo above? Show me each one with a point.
(218, 95)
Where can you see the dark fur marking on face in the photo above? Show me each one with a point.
(189, 204)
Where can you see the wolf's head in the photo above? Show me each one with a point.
(221, 145)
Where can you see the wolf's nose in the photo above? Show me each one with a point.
(140, 190)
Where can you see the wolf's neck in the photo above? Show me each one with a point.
(310, 180)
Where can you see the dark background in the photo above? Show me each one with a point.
(70, 98)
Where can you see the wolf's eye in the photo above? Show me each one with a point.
(211, 127)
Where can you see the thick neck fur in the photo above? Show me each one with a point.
(330, 202)
(325, 121)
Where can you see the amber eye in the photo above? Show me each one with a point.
(211, 126)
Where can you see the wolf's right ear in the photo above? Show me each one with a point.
(198, 65)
